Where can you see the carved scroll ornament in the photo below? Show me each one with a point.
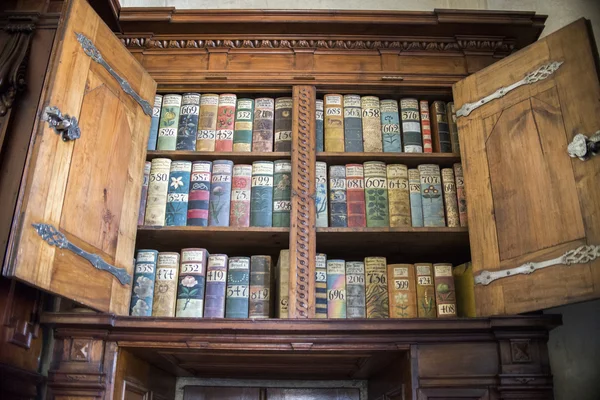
(13, 62)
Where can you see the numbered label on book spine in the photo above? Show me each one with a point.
(445, 295)
(376, 194)
(319, 127)
(220, 193)
(238, 288)
(426, 126)
(260, 287)
(416, 200)
(207, 123)
(425, 291)
(355, 193)
(398, 195)
(355, 289)
(242, 131)
(336, 289)
(321, 286)
(353, 138)
(283, 124)
(440, 129)
(321, 198)
(411, 126)
(450, 200)
(460, 194)
(158, 187)
(144, 277)
(282, 192)
(431, 193)
(261, 203)
(216, 279)
(225, 122)
(371, 122)
(283, 284)
(177, 197)
(241, 185)
(403, 292)
(453, 128)
(144, 195)
(390, 127)
(169, 122)
(188, 122)
(338, 215)
(198, 200)
(262, 134)
(334, 123)
(165, 288)
(376, 287)
(192, 276)
(152, 138)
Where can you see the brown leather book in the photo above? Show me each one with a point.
(453, 128)
(262, 129)
(283, 124)
(440, 134)
(402, 290)
(460, 194)
(450, 201)
(445, 294)
(260, 287)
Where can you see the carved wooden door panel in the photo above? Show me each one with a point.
(75, 225)
(455, 394)
(528, 201)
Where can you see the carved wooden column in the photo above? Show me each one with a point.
(302, 230)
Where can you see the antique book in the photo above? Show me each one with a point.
(188, 122)
(225, 122)
(453, 128)
(282, 192)
(169, 119)
(445, 295)
(216, 282)
(355, 196)
(260, 287)
(371, 124)
(283, 284)
(376, 194)
(398, 195)
(207, 122)
(321, 198)
(440, 135)
(321, 285)
(402, 290)
(333, 124)
(165, 287)
(144, 196)
(144, 276)
(390, 126)
(153, 137)
(242, 128)
(262, 129)
(464, 283)
(158, 186)
(336, 289)
(192, 281)
(416, 200)
(376, 290)
(241, 184)
(338, 212)
(431, 193)
(355, 290)
(261, 196)
(425, 291)
(426, 126)
(460, 194)
(319, 127)
(450, 201)
(220, 193)
(353, 140)
(198, 200)
(411, 126)
(283, 124)
(237, 298)
(177, 197)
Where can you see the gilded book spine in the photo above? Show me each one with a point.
(192, 280)
(321, 286)
(283, 124)
(338, 214)
(319, 127)
(282, 192)
(169, 118)
(336, 289)
(460, 194)
(225, 122)
(453, 128)
(445, 294)
(403, 291)
(376, 194)
(398, 195)
(144, 277)
(376, 290)
(450, 201)
(216, 278)
(242, 129)
(188, 122)
(262, 133)
(261, 201)
(177, 197)
(371, 124)
(241, 184)
(283, 284)
(220, 193)
(158, 188)
(334, 123)
(152, 138)
(144, 196)
(353, 139)
(355, 195)
(199, 197)
(425, 291)
(390, 127)
(260, 287)
(355, 289)
(440, 131)
(426, 126)
(416, 200)
(431, 193)
(165, 288)
(411, 126)
(238, 288)
(207, 122)
(321, 198)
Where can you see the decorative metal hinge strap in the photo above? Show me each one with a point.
(538, 75)
(55, 238)
(63, 125)
(580, 255)
(94, 53)
(583, 147)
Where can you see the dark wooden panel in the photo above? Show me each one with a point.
(312, 394)
(220, 393)
(137, 379)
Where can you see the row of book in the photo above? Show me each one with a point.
(374, 194)
(352, 123)
(218, 193)
(212, 122)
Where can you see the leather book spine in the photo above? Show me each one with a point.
(450, 200)
(445, 294)
(321, 198)
(376, 194)
(238, 288)
(242, 128)
(398, 195)
(192, 281)
(426, 127)
(153, 137)
(355, 290)
(282, 192)
(144, 277)
(169, 121)
(355, 196)
(177, 197)
(464, 283)
(188, 122)
(165, 287)
(158, 187)
(431, 193)
(241, 183)
(390, 127)
(199, 197)
(411, 126)
(353, 139)
(144, 196)
(283, 284)
(371, 123)
(225, 122)
(334, 123)
(338, 213)
(402, 291)
(425, 291)
(207, 122)
(416, 200)
(336, 289)
(262, 133)
(321, 286)
(283, 124)
(453, 128)
(319, 127)
(440, 133)
(376, 290)
(260, 287)
(216, 282)
(261, 196)
(220, 193)
(461, 195)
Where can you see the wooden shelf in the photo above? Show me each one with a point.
(237, 157)
(412, 160)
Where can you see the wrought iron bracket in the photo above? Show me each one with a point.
(63, 125)
(583, 147)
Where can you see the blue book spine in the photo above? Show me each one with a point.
(431, 193)
(177, 196)
(261, 195)
(416, 201)
(216, 282)
(199, 193)
(353, 138)
(154, 123)
(144, 277)
(390, 126)
(319, 130)
(220, 193)
(188, 122)
(338, 217)
(238, 288)
(321, 198)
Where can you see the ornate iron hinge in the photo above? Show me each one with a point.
(55, 238)
(63, 125)
(583, 147)
(538, 75)
(94, 53)
(580, 255)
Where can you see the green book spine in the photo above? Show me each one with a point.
(376, 194)
(431, 193)
(282, 205)
(261, 196)
(321, 286)
(353, 139)
(242, 133)
(169, 121)
(238, 288)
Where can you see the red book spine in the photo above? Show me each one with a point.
(355, 196)
(426, 126)
(225, 122)
(199, 196)
(241, 185)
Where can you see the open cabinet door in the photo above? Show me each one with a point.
(534, 212)
(75, 224)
